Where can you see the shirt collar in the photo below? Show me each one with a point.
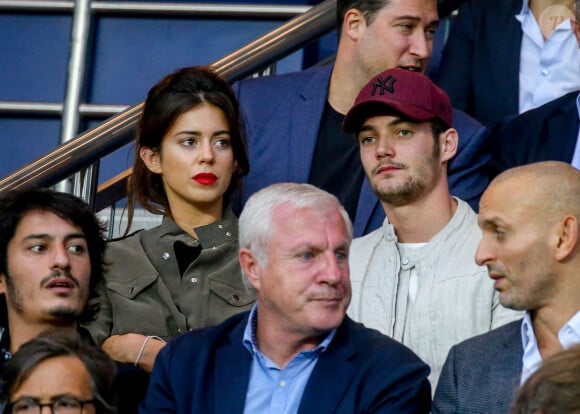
(250, 339)
(570, 333)
(578, 105)
(525, 11)
(209, 235)
(527, 330)
(455, 223)
(571, 328)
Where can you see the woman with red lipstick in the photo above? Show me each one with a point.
(184, 274)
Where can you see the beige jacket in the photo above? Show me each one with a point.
(455, 299)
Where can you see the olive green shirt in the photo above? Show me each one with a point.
(145, 292)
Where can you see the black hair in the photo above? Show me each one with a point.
(172, 96)
(16, 204)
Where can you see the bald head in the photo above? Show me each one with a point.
(549, 188)
(529, 218)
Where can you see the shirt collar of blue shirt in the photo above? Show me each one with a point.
(568, 335)
(525, 11)
(578, 105)
(251, 342)
(525, 8)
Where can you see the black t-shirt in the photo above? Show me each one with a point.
(336, 166)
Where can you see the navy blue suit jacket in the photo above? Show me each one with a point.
(480, 63)
(482, 374)
(283, 115)
(361, 371)
(546, 133)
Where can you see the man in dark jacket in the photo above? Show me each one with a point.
(51, 258)
(296, 351)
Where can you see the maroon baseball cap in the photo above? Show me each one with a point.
(410, 93)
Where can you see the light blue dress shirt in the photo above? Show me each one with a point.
(532, 359)
(548, 69)
(576, 158)
(275, 390)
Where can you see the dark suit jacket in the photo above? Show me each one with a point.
(482, 374)
(546, 133)
(480, 64)
(362, 371)
(283, 115)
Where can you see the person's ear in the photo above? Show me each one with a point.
(353, 24)
(250, 267)
(565, 236)
(448, 141)
(151, 159)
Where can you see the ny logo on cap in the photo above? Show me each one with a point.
(383, 84)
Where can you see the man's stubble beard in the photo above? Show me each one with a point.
(412, 188)
(62, 315)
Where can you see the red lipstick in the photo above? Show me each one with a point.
(205, 178)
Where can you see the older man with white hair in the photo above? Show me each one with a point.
(295, 351)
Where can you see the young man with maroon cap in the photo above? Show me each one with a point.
(294, 120)
(415, 278)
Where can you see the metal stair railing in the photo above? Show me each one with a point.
(152, 9)
(117, 131)
(83, 183)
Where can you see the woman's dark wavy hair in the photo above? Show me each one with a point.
(62, 342)
(174, 95)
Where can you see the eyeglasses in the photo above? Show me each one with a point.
(59, 405)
